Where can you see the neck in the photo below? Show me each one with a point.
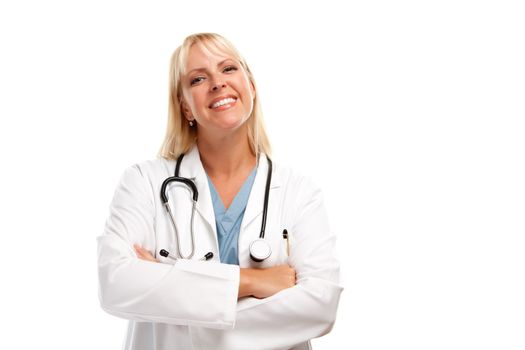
(226, 156)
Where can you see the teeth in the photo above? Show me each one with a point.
(222, 102)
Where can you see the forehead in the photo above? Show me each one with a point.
(202, 55)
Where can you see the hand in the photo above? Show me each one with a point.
(262, 283)
(144, 254)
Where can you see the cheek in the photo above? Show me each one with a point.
(244, 86)
(251, 92)
(195, 101)
(250, 88)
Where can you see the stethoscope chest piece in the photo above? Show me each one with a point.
(260, 250)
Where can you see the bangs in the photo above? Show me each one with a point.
(211, 43)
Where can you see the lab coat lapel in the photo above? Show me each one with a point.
(255, 205)
(192, 167)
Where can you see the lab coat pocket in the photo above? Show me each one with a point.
(279, 255)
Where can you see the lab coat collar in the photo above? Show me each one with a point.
(255, 205)
(192, 168)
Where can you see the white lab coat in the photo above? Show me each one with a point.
(193, 304)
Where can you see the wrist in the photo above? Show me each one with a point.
(245, 282)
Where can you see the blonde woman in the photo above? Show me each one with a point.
(212, 246)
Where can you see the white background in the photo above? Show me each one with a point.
(409, 114)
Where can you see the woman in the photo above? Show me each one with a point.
(239, 298)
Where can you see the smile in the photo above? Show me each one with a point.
(226, 102)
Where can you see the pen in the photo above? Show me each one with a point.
(285, 236)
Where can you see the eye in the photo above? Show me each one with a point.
(196, 80)
(229, 69)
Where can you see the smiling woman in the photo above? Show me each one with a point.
(203, 62)
(225, 284)
(230, 102)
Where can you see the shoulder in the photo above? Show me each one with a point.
(295, 182)
(302, 199)
(148, 171)
(154, 167)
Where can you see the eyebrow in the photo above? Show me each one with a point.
(203, 69)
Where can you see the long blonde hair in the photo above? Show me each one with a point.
(180, 137)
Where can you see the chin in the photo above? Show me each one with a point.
(229, 127)
(230, 123)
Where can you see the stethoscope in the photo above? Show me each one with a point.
(260, 249)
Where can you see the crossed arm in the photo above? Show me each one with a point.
(258, 283)
(290, 304)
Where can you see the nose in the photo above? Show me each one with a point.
(217, 85)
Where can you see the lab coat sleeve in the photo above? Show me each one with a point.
(305, 311)
(186, 293)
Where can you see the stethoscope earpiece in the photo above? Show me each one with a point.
(164, 253)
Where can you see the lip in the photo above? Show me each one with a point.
(221, 98)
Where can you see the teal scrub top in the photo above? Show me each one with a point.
(229, 221)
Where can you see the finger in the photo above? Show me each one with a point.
(142, 251)
(140, 255)
(139, 250)
(144, 254)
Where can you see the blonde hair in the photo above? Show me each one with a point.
(180, 137)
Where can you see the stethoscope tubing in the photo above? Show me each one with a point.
(176, 178)
(172, 219)
(195, 195)
(266, 196)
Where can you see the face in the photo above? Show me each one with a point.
(216, 90)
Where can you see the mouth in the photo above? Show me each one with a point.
(222, 103)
